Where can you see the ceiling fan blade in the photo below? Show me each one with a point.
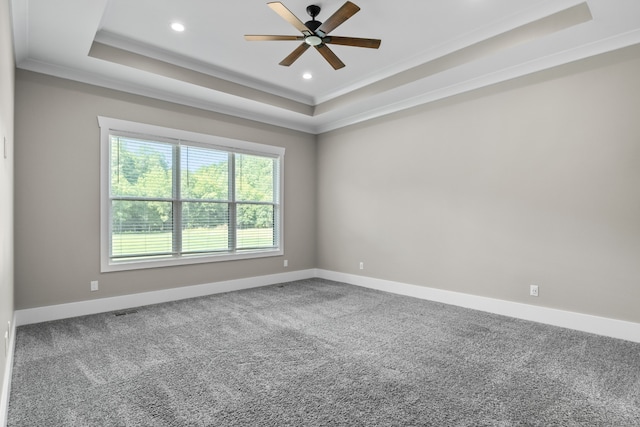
(288, 16)
(294, 55)
(353, 41)
(345, 12)
(329, 56)
(259, 38)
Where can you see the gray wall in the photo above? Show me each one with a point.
(57, 192)
(533, 181)
(6, 177)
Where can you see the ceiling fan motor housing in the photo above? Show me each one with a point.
(313, 11)
(313, 25)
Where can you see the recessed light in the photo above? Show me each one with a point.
(176, 26)
(307, 76)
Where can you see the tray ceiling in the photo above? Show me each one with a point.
(430, 50)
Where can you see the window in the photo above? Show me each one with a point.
(171, 197)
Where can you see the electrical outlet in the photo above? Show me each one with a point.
(361, 265)
(533, 290)
(286, 263)
(94, 285)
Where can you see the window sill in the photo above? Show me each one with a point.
(110, 266)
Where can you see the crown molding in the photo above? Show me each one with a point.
(243, 109)
(125, 44)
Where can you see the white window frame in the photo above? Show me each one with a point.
(110, 125)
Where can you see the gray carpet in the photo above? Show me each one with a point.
(318, 353)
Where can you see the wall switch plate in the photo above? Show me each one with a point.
(94, 285)
(286, 263)
(361, 265)
(533, 290)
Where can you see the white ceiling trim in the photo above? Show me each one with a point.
(614, 26)
(20, 21)
(220, 103)
(116, 41)
(406, 100)
(461, 42)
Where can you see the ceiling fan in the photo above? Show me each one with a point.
(316, 33)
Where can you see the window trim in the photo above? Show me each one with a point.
(108, 125)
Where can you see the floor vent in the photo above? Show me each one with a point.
(124, 313)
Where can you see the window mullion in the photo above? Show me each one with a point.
(111, 141)
(276, 202)
(177, 203)
(232, 224)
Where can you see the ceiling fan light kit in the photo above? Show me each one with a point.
(313, 40)
(315, 33)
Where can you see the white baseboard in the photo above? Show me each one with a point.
(614, 328)
(6, 382)
(582, 322)
(83, 308)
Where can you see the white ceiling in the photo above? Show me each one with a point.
(430, 50)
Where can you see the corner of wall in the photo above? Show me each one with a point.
(5, 390)
(7, 99)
